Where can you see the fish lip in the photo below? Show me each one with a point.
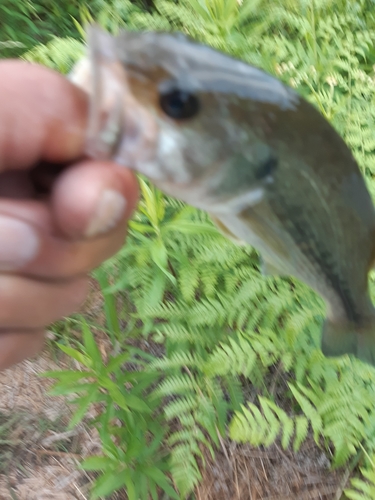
(118, 127)
(102, 135)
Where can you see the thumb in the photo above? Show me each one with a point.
(91, 198)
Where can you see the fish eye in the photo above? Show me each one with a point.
(266, 168)
(179, 104)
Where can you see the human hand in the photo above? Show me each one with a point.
(49, 242)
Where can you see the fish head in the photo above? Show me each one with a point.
(194, 121)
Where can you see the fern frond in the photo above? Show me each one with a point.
(261, 427)
(60, 54)
(363, 489)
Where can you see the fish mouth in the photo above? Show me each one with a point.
(100, 77)
(119, 128)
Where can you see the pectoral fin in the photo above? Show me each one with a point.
(341, 339)
(226, 232)
(269, 269)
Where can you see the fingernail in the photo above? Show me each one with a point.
(109, 211)
(19, 243)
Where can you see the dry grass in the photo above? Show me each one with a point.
(38, 457)
(241, 472)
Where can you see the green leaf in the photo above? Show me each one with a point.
(309, 411)
(109, 305)
(161, 480)
(108, 483)
(128, 401)
(159, 255)
(116, 362)
(66, 375)
(201, 9)
(129, 483)
(152, 489)
(150, 201)
(79, 28)
(82, 407)
(90, 344)
(302, 427)
(96, 463)
(65, 388)
(141, 228)
(136, 403)
(156, 292)
(142, 484)
(78, 356)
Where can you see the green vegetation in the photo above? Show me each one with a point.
(235, 352)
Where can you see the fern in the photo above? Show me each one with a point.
(59, 54)
(363, 489)
(232, 357)
(262, 426)
(198, 406)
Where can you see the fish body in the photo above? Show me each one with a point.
(230, 139)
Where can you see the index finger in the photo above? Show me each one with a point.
(42, 116)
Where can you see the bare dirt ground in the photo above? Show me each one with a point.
(39, 458)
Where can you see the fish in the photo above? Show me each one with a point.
(231, 139)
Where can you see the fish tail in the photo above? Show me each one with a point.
(347, 338)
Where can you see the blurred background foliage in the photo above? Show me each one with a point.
(237, 353)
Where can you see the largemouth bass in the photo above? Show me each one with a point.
(230, 139)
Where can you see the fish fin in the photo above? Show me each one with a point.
(226, 232)
(269, 269)
(339, 339)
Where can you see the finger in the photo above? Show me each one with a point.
(19, 345)
(60, 259)
(90, 198)
(42, 116)
(26, 303)
(15, 184)
(30, 246)
(38, 251)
